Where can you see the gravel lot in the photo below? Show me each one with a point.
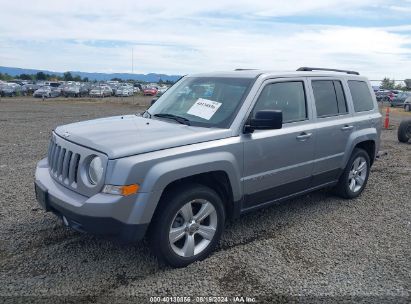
(316, 246)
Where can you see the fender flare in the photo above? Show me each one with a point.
(164, 173)
(356, 138)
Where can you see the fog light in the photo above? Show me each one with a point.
(121, 190)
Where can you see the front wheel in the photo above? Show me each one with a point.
(189, 225)
(407, 108)
(355, 176)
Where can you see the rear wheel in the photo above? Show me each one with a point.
(355, 176)
(189, 225)
(404, 131)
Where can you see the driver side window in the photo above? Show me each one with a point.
(289, 97)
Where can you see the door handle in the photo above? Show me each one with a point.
(303, 136)
(347, 127)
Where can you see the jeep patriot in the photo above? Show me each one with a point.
(213, 147)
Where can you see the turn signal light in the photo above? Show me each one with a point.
(121, 190)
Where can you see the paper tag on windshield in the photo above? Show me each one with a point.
(204, 108)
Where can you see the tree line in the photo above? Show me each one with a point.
(67, 76)
(389, 84)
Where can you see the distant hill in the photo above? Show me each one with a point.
(151, 77)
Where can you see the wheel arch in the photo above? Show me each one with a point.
(216, 180)
(218, 170)
(366, 139)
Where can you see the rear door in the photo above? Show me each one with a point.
(334, 126)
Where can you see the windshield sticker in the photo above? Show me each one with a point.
(204, 108)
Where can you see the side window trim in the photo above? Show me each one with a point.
(274, 81)
(344, 96)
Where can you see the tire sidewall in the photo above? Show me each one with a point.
(356, 153)
(168, 214)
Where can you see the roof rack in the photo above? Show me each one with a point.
(330, 70)
(245, 69)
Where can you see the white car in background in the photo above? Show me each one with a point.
(124, 91)
(101, 91)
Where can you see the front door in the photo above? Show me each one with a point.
(278, 163)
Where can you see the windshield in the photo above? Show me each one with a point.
(204, 101)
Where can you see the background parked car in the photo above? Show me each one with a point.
(150, 91)
(384, 95)
(398, 101)
(407, 104)
(75, 91)
(10, 89)
(29, 88)
(101, 91)
(47, 92)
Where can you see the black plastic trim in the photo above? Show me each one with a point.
(308, 69)
(284, 192)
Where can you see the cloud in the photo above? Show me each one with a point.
(191, 37)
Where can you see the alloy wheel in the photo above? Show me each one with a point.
(193, 228)
(358, 174)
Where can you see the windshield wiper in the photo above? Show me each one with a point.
(177, 118)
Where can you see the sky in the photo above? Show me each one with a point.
(182, 37)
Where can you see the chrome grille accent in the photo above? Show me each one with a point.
(63, 164)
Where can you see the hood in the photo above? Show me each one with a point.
(121, 136)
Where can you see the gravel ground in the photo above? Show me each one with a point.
(314, 247)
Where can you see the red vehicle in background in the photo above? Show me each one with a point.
(150, 91)
(385, 95)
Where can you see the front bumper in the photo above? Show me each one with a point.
(101, 214)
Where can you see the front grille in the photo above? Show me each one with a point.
(63, 164)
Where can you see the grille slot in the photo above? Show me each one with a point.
(63, 164)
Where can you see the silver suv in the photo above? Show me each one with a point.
(212, 148)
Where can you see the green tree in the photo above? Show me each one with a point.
(5, 77)
(67, 76)
(41, 76)
(24, 77)
(387, 84)
(85, 79)
(77, 78)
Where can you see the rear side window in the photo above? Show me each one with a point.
(361, 96)
(329, 98)
(289, 97)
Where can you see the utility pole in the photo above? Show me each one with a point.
(132, 68)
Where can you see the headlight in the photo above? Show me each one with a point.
(95, 171)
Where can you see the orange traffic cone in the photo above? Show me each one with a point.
(387, 118)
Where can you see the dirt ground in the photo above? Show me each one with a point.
(317, 247)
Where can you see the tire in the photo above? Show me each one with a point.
(407, 108)
(404, 131)
(353, 181)
(174, 214)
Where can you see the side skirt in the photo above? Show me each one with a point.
(265, 204)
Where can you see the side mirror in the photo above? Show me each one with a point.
(265, 120)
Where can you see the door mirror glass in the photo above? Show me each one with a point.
(266, 120)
